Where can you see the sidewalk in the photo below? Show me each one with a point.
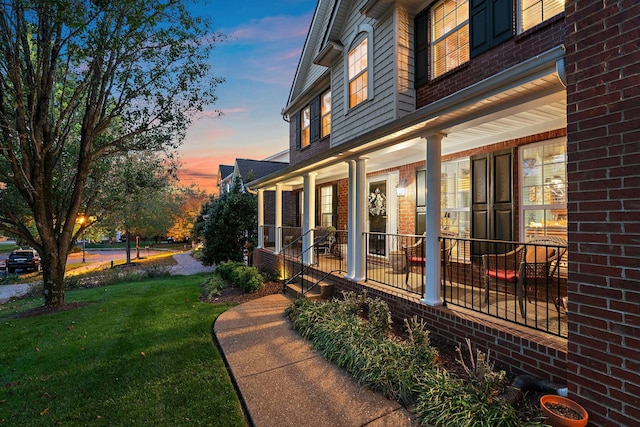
(188, 265)
(284, 382)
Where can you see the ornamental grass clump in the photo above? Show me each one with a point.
(355, 334)
(474, 401)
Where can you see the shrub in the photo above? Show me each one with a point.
(354, 334)
(212, 287)
(248, 278)
(471, 402)
(226, 270)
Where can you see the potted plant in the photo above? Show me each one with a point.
(563, 412)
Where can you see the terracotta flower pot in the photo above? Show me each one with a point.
(557, 419)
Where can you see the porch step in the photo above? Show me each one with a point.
(322, 291)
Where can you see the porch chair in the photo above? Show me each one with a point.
(534, 262)
(415, 254)
(324, 243)
(542, 259)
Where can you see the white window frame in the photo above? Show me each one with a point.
(305, 127)
(325, 114)
(364, 31)
(326, 205)
(548, 7)
(524, 196)
(433, 42)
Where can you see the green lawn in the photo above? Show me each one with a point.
(138, 354)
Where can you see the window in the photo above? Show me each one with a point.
(358, 73)
(533, 12)
(449, 35)
(326, 206)
(325, 114)
(455, 196)
(305, 126)
(544, 201)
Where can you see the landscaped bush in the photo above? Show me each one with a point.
(226, 270)
(248, 278)
(241, 276)
(212, 287)
(354, 333)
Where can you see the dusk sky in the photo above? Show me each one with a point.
(258, 59)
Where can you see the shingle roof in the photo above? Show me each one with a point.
(259, 168)
(225, 171)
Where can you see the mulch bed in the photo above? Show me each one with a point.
(237, 295)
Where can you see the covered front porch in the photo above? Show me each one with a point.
(480, 284)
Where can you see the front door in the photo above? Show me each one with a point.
(377, 204)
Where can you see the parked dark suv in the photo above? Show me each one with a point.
(23, 259)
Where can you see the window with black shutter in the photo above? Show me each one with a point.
(491, 23)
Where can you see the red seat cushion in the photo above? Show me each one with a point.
(416, 260)
(507, 275)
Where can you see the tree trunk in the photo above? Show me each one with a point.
(53, 270)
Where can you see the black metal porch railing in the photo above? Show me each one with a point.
(523, 283)
(328, 255)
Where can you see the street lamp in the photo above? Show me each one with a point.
(81, 220)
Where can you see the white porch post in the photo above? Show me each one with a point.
(432, 241)
(260, 218)
(309, 217)
(278, 213)
(360, 201)
(351, 221)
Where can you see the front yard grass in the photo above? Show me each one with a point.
(136, 354)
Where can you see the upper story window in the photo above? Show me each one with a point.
(453, 31)
(449, 35)
(358, 73)
(533, 12)
(325, 114)
(305, 126)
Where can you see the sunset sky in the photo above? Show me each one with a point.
(258, 59)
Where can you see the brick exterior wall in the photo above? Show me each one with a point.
(603, 112)
(527, 45)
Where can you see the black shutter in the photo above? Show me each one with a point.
(421, 35)
(491, 23)
(315, 120)
(492, 204)
(334, 206)
(296, 119)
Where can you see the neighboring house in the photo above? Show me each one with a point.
(248, 170)
(225, 175)
(470, 129)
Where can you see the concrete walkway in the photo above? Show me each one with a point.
(188, 265)
(284, 382)
(12, 291)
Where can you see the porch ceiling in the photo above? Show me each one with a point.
(515, 107)
(500, 118)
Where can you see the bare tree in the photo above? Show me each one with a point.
(83, 84)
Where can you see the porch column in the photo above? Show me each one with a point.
(360, 201)
(260, 218)
(351, 221)
(432, 241)
(309, 217)
(278, 213)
